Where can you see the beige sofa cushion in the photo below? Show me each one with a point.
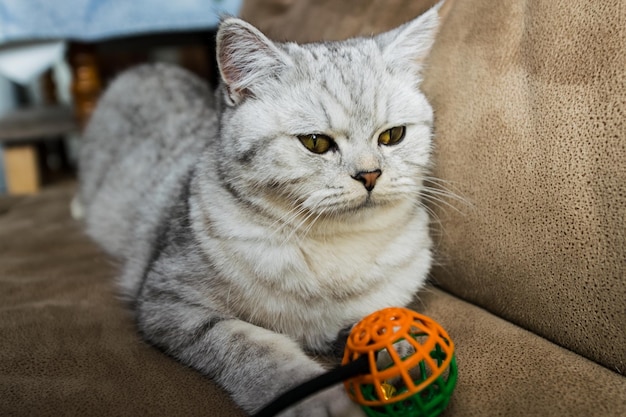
(69, 345)
(325, 20)
(530, 103)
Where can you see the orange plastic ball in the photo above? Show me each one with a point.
(408, 354)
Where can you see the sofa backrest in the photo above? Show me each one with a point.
(530, 103)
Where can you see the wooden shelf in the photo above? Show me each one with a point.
(20, 132)
(35, 124)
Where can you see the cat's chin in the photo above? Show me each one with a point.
(366, 204)
(369, 204)
(365, 210)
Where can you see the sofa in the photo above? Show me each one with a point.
(529, 227)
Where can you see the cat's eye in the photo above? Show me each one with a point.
(392, 136)
(317, 143)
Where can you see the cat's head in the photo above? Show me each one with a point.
(325, 128)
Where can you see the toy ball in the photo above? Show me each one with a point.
(412, 365)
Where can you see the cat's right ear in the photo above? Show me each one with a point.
(407, 46)
(246, 58)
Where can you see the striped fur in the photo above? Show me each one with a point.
(241, 251)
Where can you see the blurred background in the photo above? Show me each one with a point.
(57, 57)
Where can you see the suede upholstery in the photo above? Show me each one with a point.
(68, 345)
(531, 110)
(529, 102)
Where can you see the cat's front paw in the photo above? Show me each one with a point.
(330, 403)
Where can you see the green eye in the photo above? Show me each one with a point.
(317, 143)
(392, 136)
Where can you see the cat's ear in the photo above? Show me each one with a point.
(408, 45)
(246, 58)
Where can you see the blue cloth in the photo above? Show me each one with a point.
(99, 19)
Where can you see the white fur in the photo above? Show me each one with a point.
(317, 255)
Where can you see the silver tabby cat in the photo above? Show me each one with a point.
(255, 223)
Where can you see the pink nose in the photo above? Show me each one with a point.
(368, 178)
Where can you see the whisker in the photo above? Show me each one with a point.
(431, 178)
(438, 202)
(311, 224)
(446, 193)
(445, 186)
(437, 229)
(286, 219)
(296, 228)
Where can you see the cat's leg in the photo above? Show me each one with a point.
(253, 364)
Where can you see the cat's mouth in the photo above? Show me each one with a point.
(371, 202)
(355, 205)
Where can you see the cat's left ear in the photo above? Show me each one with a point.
(407, 46)
(246, 58)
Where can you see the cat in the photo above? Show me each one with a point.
(255, 223)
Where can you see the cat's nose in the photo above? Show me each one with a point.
(368, 178)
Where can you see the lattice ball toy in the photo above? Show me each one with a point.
(412, 367)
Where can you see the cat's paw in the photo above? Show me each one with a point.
(330, 403)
